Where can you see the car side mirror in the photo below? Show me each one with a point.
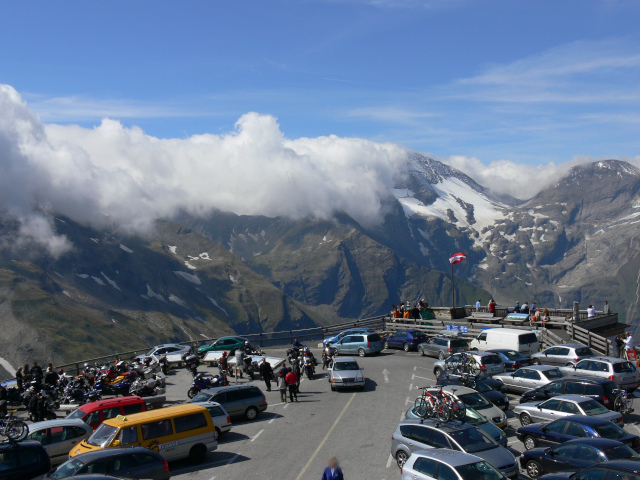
(550, 452)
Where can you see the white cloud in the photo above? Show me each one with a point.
(113, 174)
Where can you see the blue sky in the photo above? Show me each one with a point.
(527, 81)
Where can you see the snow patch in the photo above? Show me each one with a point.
(64, 292)
(58, 274)
(176, 300)
(483, 265)
(95, 240)
(218, 305)
(152, 294)
(188, 265)
(99, 281)
(125, 248)
(205, 256)
(111, 282)
(233, 280)
(84, 276)
(173, 249)
(189, 277)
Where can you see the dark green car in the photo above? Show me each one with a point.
(228, 344)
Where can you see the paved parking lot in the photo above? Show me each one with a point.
(294, 441)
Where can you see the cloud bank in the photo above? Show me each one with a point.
(114, 174)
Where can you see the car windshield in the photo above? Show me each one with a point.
(591, 407)
(619, 451)
(474, 400)
(624, 367)
(77, 413)
(583, 352)
(416, 333)
(482, 387)
(610, 430)
(553, 374)
(150, 352)
(374, 337)
(474, 418)
(491, 360)
(458, 343)
(511, 355)
(201, 397)
(479, 471)
(343, 366)
(472, 440)
(67, 469)
(102, 436)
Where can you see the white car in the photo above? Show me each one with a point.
(58, 437)
(220, 417)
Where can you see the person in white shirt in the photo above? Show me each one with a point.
(478, 305)
(607, 308)
(628, 342)
(591, 312)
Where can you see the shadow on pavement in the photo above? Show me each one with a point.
(214, 459)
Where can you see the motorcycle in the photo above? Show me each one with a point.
(75, 391)
(104, 387)
(327, 356)
(309, 367)
(191, 363)
(248, 367)
(145, 387)
(200, 382)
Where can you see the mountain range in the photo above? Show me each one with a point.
(195, 277)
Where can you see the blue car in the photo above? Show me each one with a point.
(405, 339)
(572, 427)
(574, 455)
(351, 331)
(512, 360)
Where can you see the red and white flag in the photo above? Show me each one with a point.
(456, 258)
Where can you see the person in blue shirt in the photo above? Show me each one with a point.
(333, 471)
(517, 309)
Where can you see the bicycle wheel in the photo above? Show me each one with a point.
(458, 410)
(421, 409)
(443, 412)
(16, 430)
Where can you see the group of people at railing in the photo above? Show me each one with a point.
(404, 311)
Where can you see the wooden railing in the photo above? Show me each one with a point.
(596, 342)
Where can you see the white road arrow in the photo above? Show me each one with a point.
(385, 374)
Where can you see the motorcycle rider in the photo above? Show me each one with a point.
(266, 371)
(50, 377)
(328, 355)
(223, 364)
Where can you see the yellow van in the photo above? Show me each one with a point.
(183, 431)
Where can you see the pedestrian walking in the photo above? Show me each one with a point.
(239, 363)
(267, 372)
(333, 470)
(295, 368)
(292, 381)
(282, 386)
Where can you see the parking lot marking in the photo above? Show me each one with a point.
(286, 405)
(414, 376)
(411, 387)
(232, 459)
(389, 461)
(213, 478)
(408, 400)
(326, 437)
(385, 374)
(402, 415)
(271, 421)
(256, 435)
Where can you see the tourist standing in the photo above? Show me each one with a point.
(517, 307)
(606, 309)
(628, 342)
(478, 305)
(266, 371)
(492, 307)
(333, 470)
(619, 345)
(591, 312)
(292, 380)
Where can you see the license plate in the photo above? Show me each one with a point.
(627, 379)
(495, 369)
(500, 425)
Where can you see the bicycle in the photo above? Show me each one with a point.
(442, 405)
(13, 428)
(622, 403)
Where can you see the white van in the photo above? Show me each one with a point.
(521, 341)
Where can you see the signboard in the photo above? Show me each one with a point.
(631, 356)
(458, 328)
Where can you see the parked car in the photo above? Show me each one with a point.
(487, 363)
(472, 418)
(477, 401)
(621, 371)
(512, 360)
(612, 470)
(574, 426)
(521, 341)
(405, 339)
(221, 418)
(563, 406)
(20, 460)
(132, 462)
(573, 455)
(230, 344)
(362, 344)
(351, 331)
(442, 346)
(344, 372)
(164, 350)
(412, 435)
(445, 464)
(59, 436)
(600, 389)
(239, 400)
(486, 387)
(566, 354)
(528, 378)
(94, 413)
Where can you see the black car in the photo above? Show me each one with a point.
(600, 389)
(572, 427)
(23, 460)
(613, 470)
(491, 389)
(512, 360)
(573, 455)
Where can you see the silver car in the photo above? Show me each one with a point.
(566, 354)
(487, 363)
(621, 371)
(528, 378)
(442, 346)
(166, 349)
(477, 401)
(412, 435)
(58, 437)
(563, 406)
(450, 464)
(344, 372)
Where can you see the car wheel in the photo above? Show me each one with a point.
(361, 352)
(421, 352)
(441, 355)
(534, 469)
(218, 432)
(437, 372)
(406, 347)
(251, 413)
(386, 345)
(197, 454)
(569, 364)
(401, 458)
(530, 442)
(535, 361)
(525, 419)
(333, 389)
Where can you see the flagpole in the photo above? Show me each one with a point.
(453, 290)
